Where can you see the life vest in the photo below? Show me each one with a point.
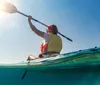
(54, 44)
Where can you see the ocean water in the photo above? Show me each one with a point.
(85, 75)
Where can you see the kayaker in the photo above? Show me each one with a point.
(52, 43)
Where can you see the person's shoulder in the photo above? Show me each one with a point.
(59, 37)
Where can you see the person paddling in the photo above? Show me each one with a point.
(52, 43)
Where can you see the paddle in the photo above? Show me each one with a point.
(10, 8)
(25, 72)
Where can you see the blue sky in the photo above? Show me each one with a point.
(77, 19)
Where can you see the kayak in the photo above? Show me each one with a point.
(79, 66)
(78, 58)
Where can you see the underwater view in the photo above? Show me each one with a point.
(71, 76)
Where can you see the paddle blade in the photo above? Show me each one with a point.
(8, 7)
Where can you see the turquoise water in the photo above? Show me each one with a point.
(72, 76)
(76, 68)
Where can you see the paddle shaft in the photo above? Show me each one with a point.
(25, 72)
(45, 25)
(32, 18)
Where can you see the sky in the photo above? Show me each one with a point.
(76, 19)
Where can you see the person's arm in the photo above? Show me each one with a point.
(38, 32)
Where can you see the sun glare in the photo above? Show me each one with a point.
(2, 7)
